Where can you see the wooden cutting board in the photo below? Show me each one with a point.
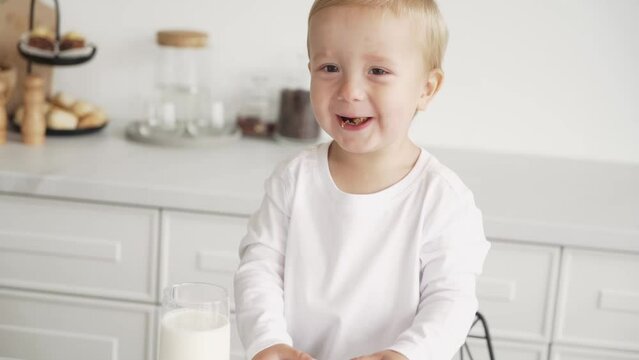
(14, 20)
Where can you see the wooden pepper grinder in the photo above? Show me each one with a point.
(33, 123)
(3, 112)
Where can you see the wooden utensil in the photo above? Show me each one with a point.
(3, 111)
(33, 125)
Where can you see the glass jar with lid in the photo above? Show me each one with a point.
(183, 101)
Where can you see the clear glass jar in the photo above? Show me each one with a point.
(183, 102)
(256, 105)
(194, 323)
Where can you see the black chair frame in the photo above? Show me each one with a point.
(465, 349)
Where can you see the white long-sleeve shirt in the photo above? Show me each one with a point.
(340, 275)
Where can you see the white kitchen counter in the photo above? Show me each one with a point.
(523, 198)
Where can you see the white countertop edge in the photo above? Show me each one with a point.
(238, 205)
(562, 234)
(104, 192)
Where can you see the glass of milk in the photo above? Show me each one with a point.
(195, 323)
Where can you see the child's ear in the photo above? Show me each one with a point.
(431, 87)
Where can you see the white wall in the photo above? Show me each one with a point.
(550, 77)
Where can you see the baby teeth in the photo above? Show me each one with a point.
(354, 121)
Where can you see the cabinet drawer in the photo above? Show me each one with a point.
(568, 353)
(201, 248)
(598, 301)
(45, 327)
(516, 291)
(79, 248)
(507, 350)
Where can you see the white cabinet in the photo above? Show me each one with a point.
(111, 261)
(598, 303)
(505, 350)
(47, 327)
(571, 353)
(516, 291)
(78, 248)
(200, 247)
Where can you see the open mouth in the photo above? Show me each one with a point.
(354, 121)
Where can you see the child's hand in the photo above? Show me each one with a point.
(383, 355)
(282, 352)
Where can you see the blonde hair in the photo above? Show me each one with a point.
(424, 12)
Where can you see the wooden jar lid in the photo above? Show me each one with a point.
(182, 38)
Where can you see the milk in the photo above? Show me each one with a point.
(189, 334)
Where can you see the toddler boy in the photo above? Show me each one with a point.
(366, 247)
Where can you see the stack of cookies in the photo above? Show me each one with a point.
(63, 112)
(44, 39)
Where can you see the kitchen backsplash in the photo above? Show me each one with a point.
(539, 77)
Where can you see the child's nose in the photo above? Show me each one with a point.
(351, 89)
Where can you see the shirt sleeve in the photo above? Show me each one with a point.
(258, 281)
(451, 259)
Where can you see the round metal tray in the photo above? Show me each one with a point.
(57, 58)
(142, 131)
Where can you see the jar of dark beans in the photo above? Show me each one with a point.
(296, 120)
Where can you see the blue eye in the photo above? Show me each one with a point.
(330, 68)
(378, 71)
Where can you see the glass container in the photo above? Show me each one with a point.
(183, 102)
(195, 323)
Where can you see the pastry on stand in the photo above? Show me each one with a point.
(63, 115)
(42, 38)
(72, 40)
(60, 119)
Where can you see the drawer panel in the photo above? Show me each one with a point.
(516, 291)
(78, 248)
(573, 353)
(201, 248)
(599, 300)
(507, 350)
(45, 327)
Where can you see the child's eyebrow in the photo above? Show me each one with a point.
(369, 57)
(378, 58)
(319, 56)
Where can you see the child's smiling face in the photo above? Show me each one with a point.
(367, 63)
